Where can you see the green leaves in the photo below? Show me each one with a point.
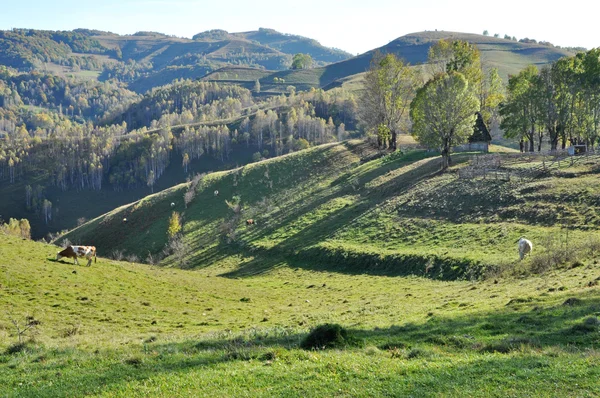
(443, 112)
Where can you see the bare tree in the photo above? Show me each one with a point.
(390, 84)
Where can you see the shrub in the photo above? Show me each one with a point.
(328, 336)
(256, 157)
(15, 348)
(174, 225)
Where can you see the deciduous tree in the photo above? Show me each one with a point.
(389, 86)
(443, 113)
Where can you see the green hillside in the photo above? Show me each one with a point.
(394, 216)
(508, 56)
(293, 44)
(332, 231)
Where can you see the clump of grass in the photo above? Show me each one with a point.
(417, 353)
(328, 336)
(571, 301)
(134, 361)
(71, 331)
(508, 345)
(16, 348)
(588, 325)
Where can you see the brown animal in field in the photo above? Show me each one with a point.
(250, 222)
(78, 251)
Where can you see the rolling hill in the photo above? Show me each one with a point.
(508, 56)
(334, 230)
(394, 215)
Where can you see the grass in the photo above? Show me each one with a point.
(394, 215)
(120, 329)
(417, 267)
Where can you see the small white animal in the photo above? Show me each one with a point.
(525, 247)
(216, 193)
(172, 204)
(125, 219)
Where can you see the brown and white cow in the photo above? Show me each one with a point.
(78, 251)
(250, 222)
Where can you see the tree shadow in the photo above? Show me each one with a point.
(324, 229)
(520, 327)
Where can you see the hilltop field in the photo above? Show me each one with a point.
(419, 267)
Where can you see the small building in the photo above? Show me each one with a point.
(481, 137)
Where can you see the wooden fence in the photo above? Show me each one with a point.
(521, 166)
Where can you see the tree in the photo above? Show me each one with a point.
(456, 56)
(491, 95)
(151, 180)
(174, 225)
(389, 86)
(186, 162)
(302, 61)
(521, 111)
(25, 228)
(486, 33)
(443, 113)
(47, 210)
(257, 86)
(591, 81)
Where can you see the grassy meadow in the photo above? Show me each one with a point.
(121, 329)
(419, 267)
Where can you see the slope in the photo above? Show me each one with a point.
(391, 216)
(293, 44)
(508, 56)
(122, 329)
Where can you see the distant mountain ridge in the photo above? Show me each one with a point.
(508, 56)
(149, 59)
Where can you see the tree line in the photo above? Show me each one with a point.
(560, 102)
(452, 99)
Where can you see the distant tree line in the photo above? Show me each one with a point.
(560, 103)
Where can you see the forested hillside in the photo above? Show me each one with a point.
(108, 116)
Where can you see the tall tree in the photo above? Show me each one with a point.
(389, 86)
(492, 94)
(457, 56)
(591, 81)
(521, 110)
(443, 113)
(302, 61)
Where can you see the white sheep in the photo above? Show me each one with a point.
(525, 247)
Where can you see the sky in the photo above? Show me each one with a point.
(351, 25)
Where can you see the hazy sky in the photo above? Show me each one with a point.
(352, 25)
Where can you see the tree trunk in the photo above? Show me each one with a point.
(393, 143)
(445, 156)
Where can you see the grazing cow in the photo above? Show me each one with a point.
(250, 222)
(125, 220)
(78, 251)
(525, 247)
(216, 193)
(172, 204)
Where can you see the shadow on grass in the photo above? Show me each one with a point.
(321, 230)
(520, 328)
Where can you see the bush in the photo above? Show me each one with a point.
(328, 336)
